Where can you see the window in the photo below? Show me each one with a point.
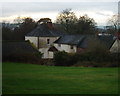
(48, 41)
(71, 47)
(59, 45)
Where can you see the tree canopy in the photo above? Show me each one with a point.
(69, 23)
(25, 25)
(67, 19)
(113, 24)
(86, 25)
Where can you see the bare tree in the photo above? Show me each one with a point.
(113, 24)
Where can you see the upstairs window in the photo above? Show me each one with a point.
(48, 41)
(59, 45)
(71, 47)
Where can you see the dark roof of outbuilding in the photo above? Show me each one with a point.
(106, 40)
(43, 31)
(70, 39)
(83, 40)
(17, 47)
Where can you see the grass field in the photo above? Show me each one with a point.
(21, 78)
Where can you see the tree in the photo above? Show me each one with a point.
(26, 25)
(18, 20)
(85, 25)
(67, 20)
(113, 24)
(44, 20)
(7, 33)
(70, 24)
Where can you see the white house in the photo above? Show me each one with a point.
(70, 43)
(43, 37)
(49, 40)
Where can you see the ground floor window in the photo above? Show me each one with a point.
(59, 45)
(48, 41)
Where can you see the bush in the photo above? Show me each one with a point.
(96, 55)
(87, 59)
(65, 59)
(61, 58)
(96, 64)
(26, 57)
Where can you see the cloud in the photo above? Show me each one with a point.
(59, 0)
(96, 10)
(105, 13)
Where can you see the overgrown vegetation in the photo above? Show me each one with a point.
(24, 58)
(65, 59)
(96, 55)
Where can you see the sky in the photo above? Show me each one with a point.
(100, 10)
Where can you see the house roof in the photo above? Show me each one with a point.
(43, 31)
(17, 47)
(83, 40)
(106, 40)
(70, 39)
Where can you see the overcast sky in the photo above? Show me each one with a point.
(100, 11)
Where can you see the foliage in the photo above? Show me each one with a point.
(7, 33)
(113, 23)
(67, 20)
(61, 58)
(97, 50)
(25, 25)
(96, 55)
(65, 59)
(69, 23)
(86, 25)
(23, 57)
(96, 64)
(44, 20)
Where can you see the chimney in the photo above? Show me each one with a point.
(117, 35)
(50, 25)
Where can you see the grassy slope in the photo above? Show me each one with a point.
(37, 79)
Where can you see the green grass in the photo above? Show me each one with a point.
(21, 78)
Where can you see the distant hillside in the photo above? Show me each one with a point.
(101, 27)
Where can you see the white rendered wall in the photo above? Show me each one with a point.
(46, 54)
(33, 40)
(66, 48)
(43, 46)
(115, 47)
(50, 54)
(43, 41)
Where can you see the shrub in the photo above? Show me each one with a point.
(97, 51)
(95, 64)
(23, 57)
(60, 58)
(65, 59)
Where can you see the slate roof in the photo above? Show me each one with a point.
(44, 31)
(84, 43)
(106, 40)
(70, 39)
(82, 40)
(17, 47)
